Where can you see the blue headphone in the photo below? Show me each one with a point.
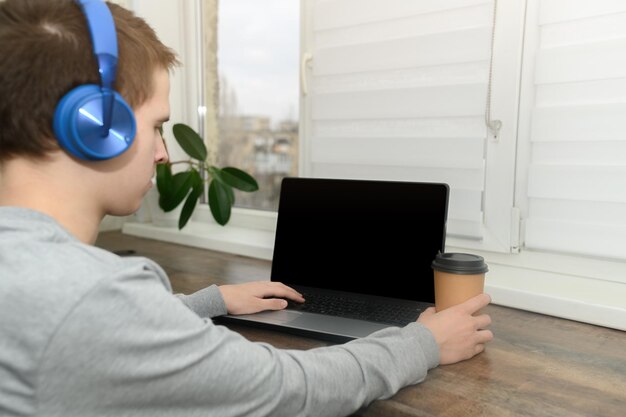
(93, 122)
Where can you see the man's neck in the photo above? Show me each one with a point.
(40, 186)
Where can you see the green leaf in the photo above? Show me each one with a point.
(164, 178)
(231, 194)
(217, 175)
(190, 141)
(164, 185)
(192, 199)
(219, 202)
(239, 179)
(180, 186)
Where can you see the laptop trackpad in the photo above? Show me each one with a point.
(337, 325)
(282, 317)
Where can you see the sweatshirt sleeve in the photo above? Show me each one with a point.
(208, 302)
(130, 347)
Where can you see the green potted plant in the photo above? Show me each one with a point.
(189, 185)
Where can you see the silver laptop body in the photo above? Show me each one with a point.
(360, 252)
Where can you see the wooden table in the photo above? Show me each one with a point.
(536, 366)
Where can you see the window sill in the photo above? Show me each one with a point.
(249, 232)
(237, 240)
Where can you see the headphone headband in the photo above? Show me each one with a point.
(104, 40)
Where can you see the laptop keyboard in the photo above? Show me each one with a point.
(342, 306)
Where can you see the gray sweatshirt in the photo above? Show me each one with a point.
(84, 332)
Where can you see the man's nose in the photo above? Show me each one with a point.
(161, 155)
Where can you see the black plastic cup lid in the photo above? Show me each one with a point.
(460, 263)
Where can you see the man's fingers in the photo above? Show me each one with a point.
(273, 304)
(484, 336)
(483, 321)
(475, 303)
(287, 288)
(278, 289)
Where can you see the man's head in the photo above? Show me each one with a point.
(46, 51)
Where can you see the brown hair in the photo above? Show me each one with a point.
(46, 50)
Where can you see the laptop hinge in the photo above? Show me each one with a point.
(515, 229)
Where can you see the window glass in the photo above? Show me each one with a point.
(258, 49)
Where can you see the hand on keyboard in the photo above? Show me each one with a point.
(253, 297)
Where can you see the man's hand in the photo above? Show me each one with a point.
(253, 297)
(459, 334)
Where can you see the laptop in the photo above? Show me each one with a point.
(358, 250)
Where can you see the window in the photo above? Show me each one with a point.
(398, 90)
(258, 49)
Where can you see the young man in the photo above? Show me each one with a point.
(84, 332)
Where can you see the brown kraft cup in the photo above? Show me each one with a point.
(458, 277)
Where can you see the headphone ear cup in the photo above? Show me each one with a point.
(77, 124)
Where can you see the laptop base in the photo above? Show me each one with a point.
(306, 324)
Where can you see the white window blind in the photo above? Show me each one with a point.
(397, 91)
(577, 172)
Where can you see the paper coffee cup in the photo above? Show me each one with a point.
(458, 277)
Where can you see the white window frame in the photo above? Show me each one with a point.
(584, 289)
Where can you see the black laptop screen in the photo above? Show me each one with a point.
(370, 237)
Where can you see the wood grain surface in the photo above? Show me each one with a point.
(536, 366)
